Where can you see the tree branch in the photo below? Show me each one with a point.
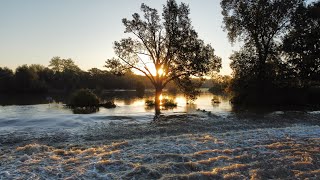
(145, 44)
(146, 67)
(136, 52)
(174, 77)
(134, 67)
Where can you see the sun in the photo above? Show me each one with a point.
(147, 63)
(160, 72)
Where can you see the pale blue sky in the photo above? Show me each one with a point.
(33, 31)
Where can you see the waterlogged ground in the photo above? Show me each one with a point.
(200, 145)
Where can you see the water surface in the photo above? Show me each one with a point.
(26, 111)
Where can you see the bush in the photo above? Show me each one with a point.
(84, 98)
(85, 110)
(166, 103)
(108, 104)
(149, 102)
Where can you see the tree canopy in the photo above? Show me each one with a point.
(280, 48)
(259, 24)
(60, 65)
(166, 44)
(302, 44)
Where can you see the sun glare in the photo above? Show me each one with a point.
(161, 97)
(160, 72)
(181, 100)
(147, 64)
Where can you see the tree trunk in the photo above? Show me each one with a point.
(262, 74)
(157, 100)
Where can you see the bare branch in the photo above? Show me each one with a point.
(145, 44)
(142, 53)
(134, 67)
(146, 67)
(174, 77)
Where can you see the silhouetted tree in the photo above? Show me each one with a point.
(220, 84)
(259, 24)
(27, 80)
(169, 45)
(37, 78)
(6, 79)
(96, 78)
(46, 75)
(302, 43)
(59, 65)
(67, 74)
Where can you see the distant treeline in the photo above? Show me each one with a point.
(220, 84)
(63, 75)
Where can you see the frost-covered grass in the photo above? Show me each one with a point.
(181, 146)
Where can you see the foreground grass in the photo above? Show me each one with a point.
(194, 146)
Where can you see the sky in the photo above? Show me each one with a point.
(34, 31)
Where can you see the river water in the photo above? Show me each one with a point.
(32, 112)
(48, 141)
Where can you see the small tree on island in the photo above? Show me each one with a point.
(164, 49)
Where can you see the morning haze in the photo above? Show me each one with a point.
(32, 32)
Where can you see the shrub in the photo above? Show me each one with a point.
(149, 102)
(166, 103)
(84, 98)
(108, 104)
(85, 110)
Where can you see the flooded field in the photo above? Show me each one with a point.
(48, 141)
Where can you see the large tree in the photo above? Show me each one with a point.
(168, 45)
(302, 43)
(259, 25)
